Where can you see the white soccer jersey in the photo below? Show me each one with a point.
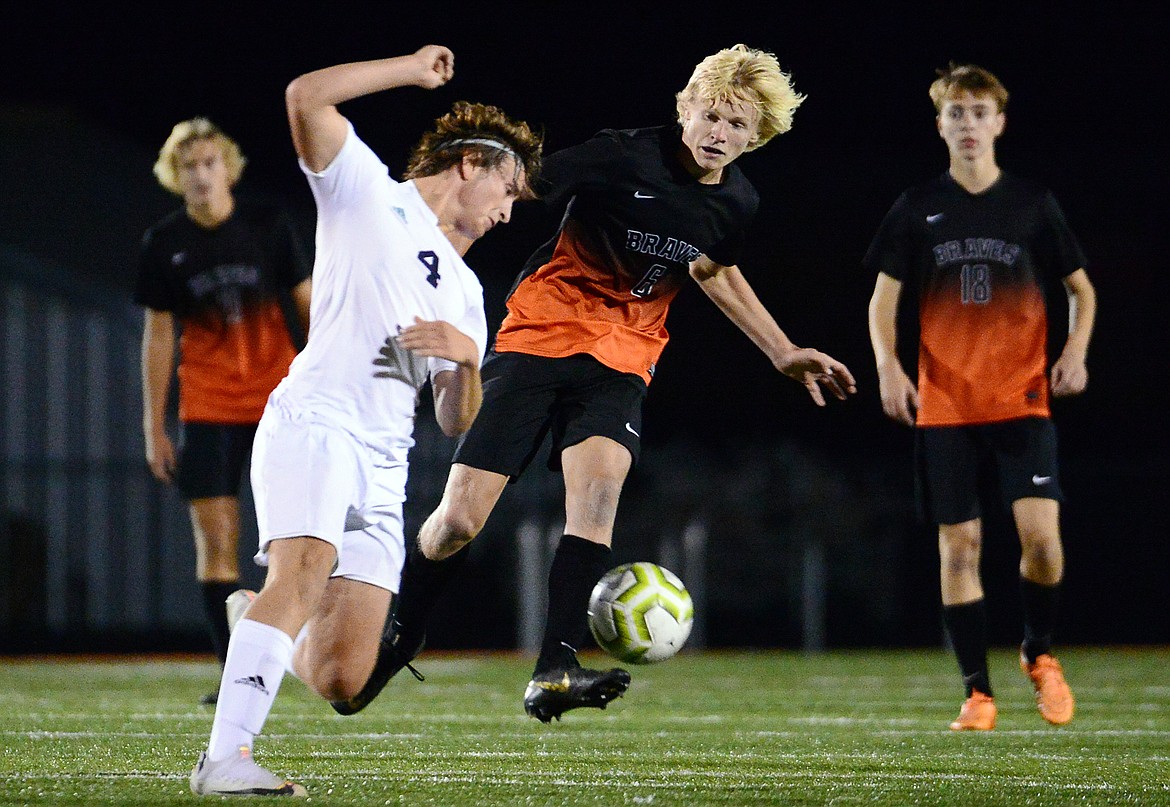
(381, 260)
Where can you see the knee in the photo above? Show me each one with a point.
(335, 680)
(1041, 550)
(446, 532)
(960, 546)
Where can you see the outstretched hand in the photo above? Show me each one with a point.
(814, 369)
(436, 66)
(436, 338)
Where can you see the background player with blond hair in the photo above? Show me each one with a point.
(212, 277)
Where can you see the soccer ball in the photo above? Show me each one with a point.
(640, 613)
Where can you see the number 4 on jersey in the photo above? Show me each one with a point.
(431, 261)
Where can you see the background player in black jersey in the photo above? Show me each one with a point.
(211, 276)
(648, 209)
(981, 244)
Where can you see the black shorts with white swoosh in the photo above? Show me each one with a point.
(526, 397)
(952, 462)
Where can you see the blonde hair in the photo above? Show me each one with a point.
(955, 79)
(741, 74)
(166, 167)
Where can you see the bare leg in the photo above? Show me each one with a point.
(468, 500)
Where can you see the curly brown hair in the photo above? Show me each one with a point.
(446, 145)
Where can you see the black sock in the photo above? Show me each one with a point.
(214, 594)
(1040, 607)
(423, 581)
(577, 566)
(967, 627)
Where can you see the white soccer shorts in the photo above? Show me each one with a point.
(310, 477)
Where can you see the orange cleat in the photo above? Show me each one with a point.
(978, 713)
(1054, 699)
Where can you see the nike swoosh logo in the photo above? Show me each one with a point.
(933, 217)
(1041, 480)
(640, 195)
(630, 429)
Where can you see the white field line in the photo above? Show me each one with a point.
(620, 780)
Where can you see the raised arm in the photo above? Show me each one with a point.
(730, 291)
(318, 129)
(899, 395)
(1070, 376)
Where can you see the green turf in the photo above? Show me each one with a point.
(842, 728)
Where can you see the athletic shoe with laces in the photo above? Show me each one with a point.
(239, 775)
(978, 714)
(1054, 699)
(551, 694)
(236, 604)
(394, 653)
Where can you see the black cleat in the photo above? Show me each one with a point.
(391, 659)
(555, 692)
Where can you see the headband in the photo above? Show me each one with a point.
(484, 141)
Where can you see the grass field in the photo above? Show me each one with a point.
(729, 728)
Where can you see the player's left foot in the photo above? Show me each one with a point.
(211, 698)
(555, 692)
(1054, 699)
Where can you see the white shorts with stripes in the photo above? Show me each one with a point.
(310, 477)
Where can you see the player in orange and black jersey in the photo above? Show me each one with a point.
(980, 246)
(635, 221)
(646, 209)
(212, 275)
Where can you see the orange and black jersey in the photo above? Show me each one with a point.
(223, 286)
(981, 263)
(635, 220)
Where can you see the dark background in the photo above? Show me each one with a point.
(1085, 118)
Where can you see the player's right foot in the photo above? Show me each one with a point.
(236, 604)
(394, 653)
(978, 714)
(555, 692)
(239, 775)
(1054, 699)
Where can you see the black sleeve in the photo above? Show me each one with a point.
(151, 288)
(290, 259)
(891, 251)
(589, 164)
(1058, 252)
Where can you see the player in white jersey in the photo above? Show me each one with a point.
(394, 306)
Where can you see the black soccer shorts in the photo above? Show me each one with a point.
(952, 463)
(212, 458)
(526, 397)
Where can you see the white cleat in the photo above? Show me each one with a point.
(239, 776)
(236, 604)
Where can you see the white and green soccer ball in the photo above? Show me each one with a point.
(640, 613)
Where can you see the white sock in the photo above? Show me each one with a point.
(297, 642)
(256, 659)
